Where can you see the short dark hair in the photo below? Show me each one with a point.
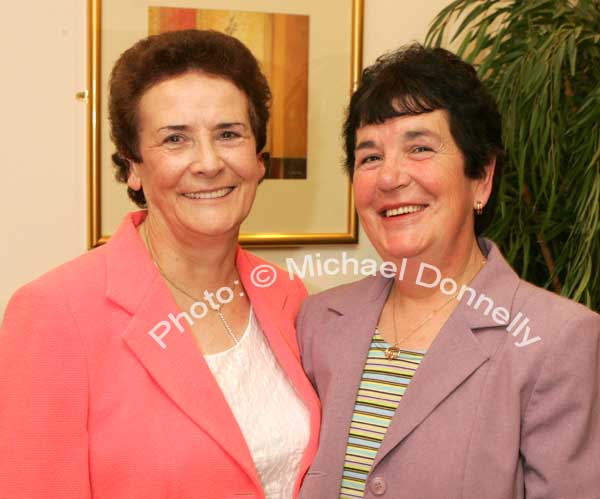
(167, 55)
(417, 79)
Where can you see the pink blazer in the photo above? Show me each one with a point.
(505, 404)
(92, 406)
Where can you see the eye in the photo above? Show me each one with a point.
(371, 158)
(421, 149)
(229, 135)
(420, 153)
(174, 139)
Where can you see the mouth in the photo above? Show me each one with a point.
(403, 210)
(216, 194)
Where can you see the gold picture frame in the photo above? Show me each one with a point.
(325, 213)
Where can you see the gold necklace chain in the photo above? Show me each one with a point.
(216, 309)
(393, 351)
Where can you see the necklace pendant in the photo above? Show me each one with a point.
(392, 352)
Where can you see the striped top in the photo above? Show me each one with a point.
(382, 385)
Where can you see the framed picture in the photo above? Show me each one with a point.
(309, 50)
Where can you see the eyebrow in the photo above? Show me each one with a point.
(365, 144)
(420, 132)
(220, 126)
(174, 127)
(407, 135)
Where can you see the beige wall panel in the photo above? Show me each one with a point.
(43, 140)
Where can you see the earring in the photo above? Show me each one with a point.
(478, 207)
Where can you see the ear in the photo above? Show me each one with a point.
(483, 186)
(134, 180)
(260, 159)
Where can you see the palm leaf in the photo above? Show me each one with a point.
(541, 61)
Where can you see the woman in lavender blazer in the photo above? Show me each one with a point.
(445, 376)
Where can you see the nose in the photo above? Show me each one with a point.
(393, 173)
(205, 159)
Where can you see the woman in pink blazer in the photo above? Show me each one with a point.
(445, 376)
(160, 365)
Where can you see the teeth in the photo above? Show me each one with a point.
(403, 210)
(209, 195)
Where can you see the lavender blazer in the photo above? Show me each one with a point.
(504, 405)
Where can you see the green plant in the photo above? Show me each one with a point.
(541, 61)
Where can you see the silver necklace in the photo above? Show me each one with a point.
(216, 309)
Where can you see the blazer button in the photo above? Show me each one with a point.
(378, 486)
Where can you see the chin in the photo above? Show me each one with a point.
(401, 247)
(218, 231)
(210, 230)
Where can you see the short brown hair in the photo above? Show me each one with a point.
(167, 55)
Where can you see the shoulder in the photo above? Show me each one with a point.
(368, 288)
(271, 281)
(550, 340)
(531, 296)
(84, 280)
(342, 299)
(366, 295)
(41, 322)
(69, 280)
(542, 313)
(553, 314)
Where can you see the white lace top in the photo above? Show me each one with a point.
(273, 419)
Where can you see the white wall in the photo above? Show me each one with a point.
(43, 141)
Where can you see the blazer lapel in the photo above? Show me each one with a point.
(173, 360)
(278, 327)
(268, 304)
(456, 352)
(452, 358)
(344, 342)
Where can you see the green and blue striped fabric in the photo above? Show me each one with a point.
(382, 386)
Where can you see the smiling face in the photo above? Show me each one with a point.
(410, 189)
(199, 168)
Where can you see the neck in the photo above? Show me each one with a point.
(419, 284)
(194, 264)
